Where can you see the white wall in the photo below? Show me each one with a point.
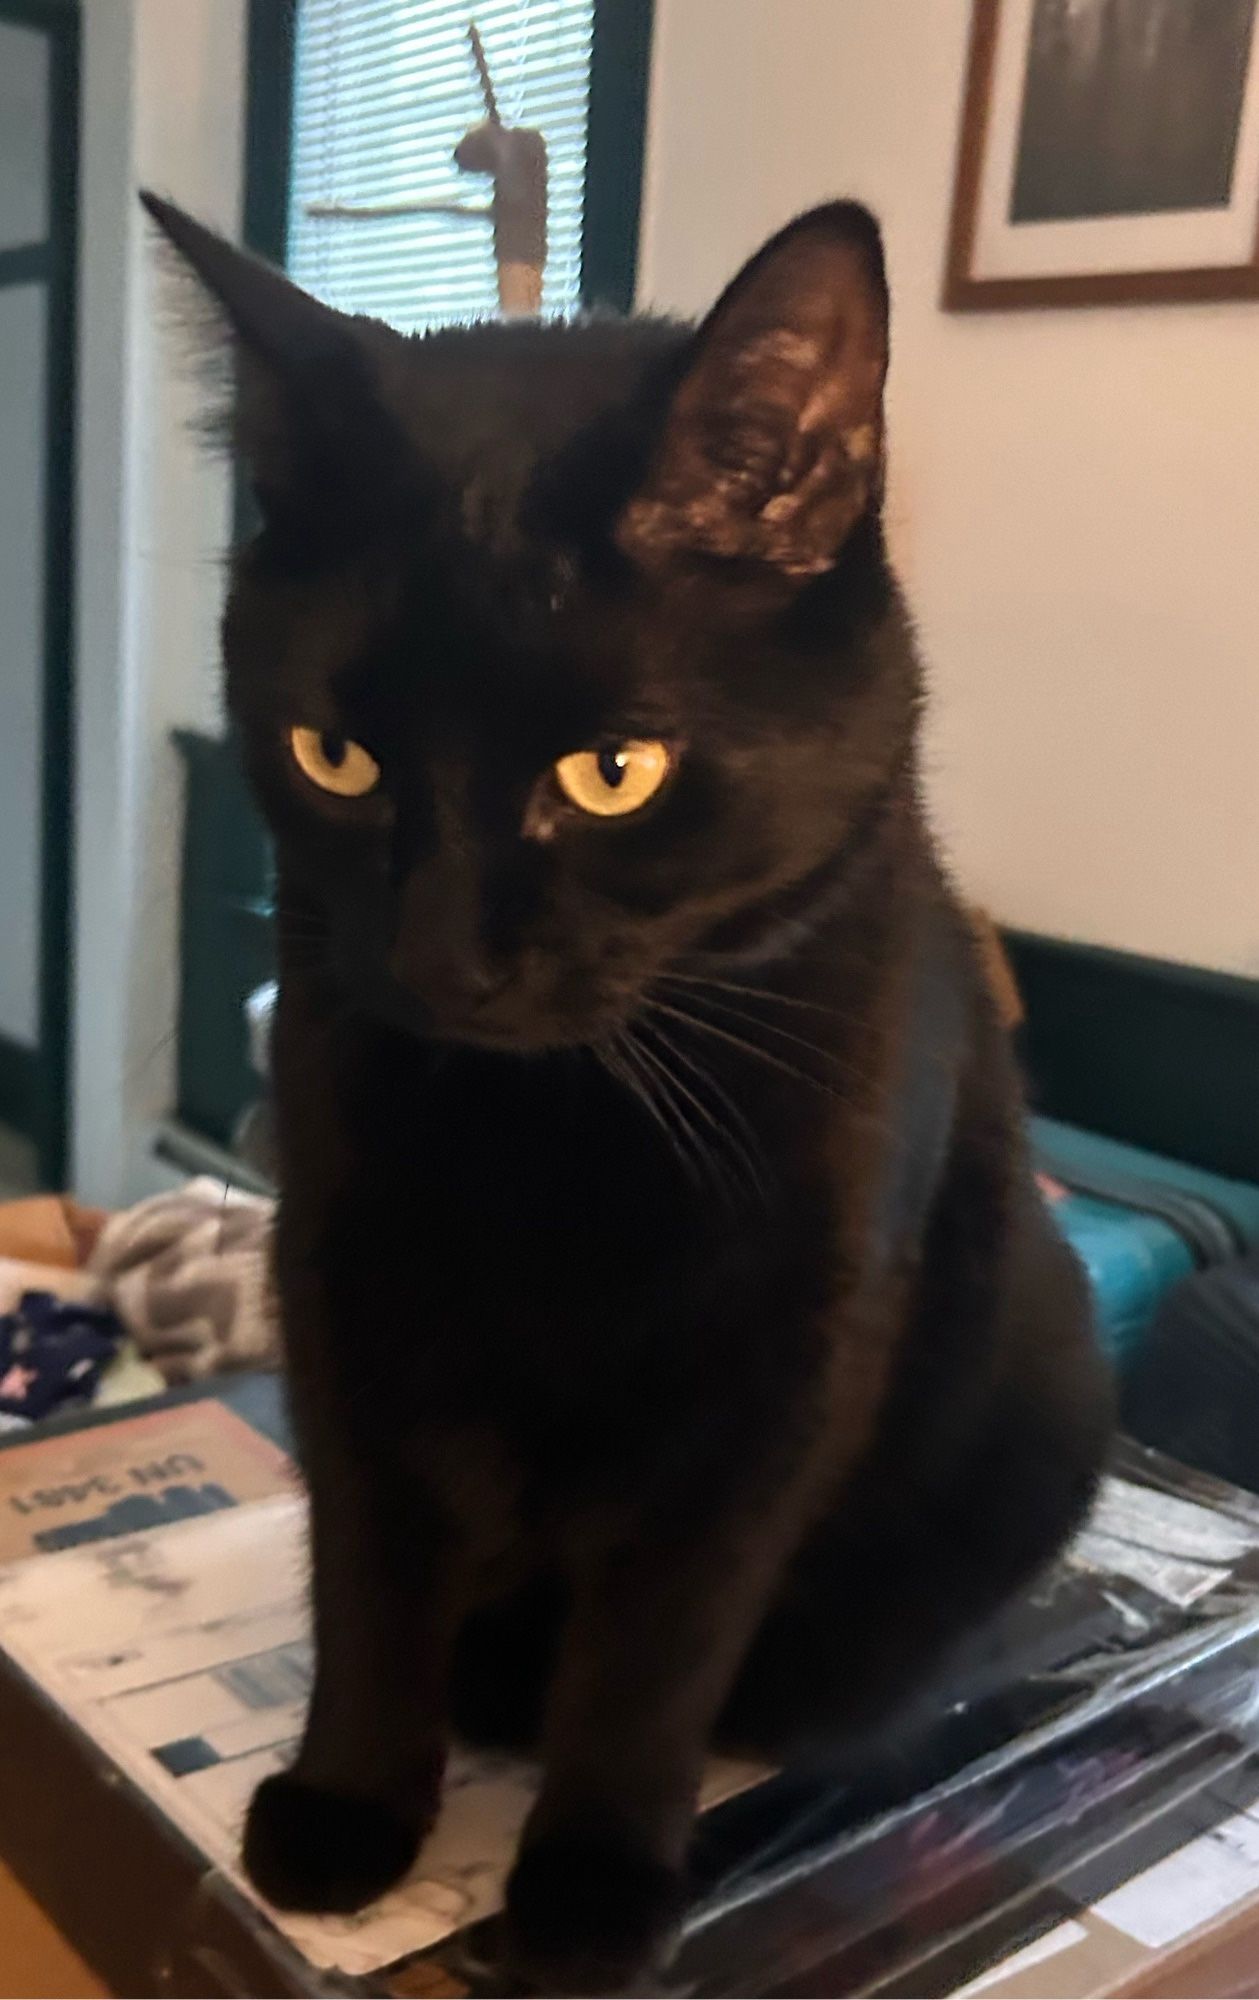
(163, 95)
(1075, 495)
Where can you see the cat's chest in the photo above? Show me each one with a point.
(507, 1217)
(544, 1273)
(591, 1354)
(504, 1260)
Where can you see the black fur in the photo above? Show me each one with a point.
(679, 1349)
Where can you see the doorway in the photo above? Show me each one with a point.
(39, 61)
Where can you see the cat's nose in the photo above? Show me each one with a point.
(441, 952)
(456, 991)
(481, 983)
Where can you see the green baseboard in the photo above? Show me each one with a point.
(19, 1087)
(1165, 1056)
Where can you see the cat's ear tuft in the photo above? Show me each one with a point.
(269, 314)
(772, 446)
(303, 411)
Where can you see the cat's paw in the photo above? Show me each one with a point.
(589, 1914)
(310, 1849)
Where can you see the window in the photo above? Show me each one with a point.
(357, 104)
(384, 90)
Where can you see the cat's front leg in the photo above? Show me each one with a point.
(652, 1644)
(347, 1820)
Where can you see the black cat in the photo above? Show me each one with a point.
(679, 1349)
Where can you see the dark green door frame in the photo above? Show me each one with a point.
(616, 139)
(38, 1091)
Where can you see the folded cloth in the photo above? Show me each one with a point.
(59, 1279)
(53, 1352)
(188, 1275)
(126, 1379)
(49, 1229)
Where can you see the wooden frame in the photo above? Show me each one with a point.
(964, 292)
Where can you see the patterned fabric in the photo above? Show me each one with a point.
(187, 1273)
(52, 1354)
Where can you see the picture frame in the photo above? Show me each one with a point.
(1108, 155)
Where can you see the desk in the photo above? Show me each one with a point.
(34, 1958)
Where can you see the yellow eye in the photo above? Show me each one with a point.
(614, 781)
(334, 763)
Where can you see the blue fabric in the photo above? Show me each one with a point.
(1131, 1259)
(1061, 1145)
(52, 1354)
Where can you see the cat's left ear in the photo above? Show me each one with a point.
(773, 443)
(306, 416)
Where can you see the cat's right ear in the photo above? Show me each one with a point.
(304, 414)
(772, 445)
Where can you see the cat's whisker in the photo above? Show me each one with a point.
(304, 954)
(611, 1056)
(749, 1020)
(672, 1119)
(702, 981)
(138, 1069)
(283, 935)
(753, 1049)
(294, 924)
(745, 1150)
(726, 1182)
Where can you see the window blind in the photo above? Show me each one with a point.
(383, 90)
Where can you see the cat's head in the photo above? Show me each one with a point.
(563, 652)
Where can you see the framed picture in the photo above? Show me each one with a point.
(1109, 154)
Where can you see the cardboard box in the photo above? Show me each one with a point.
(1080, 1814)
